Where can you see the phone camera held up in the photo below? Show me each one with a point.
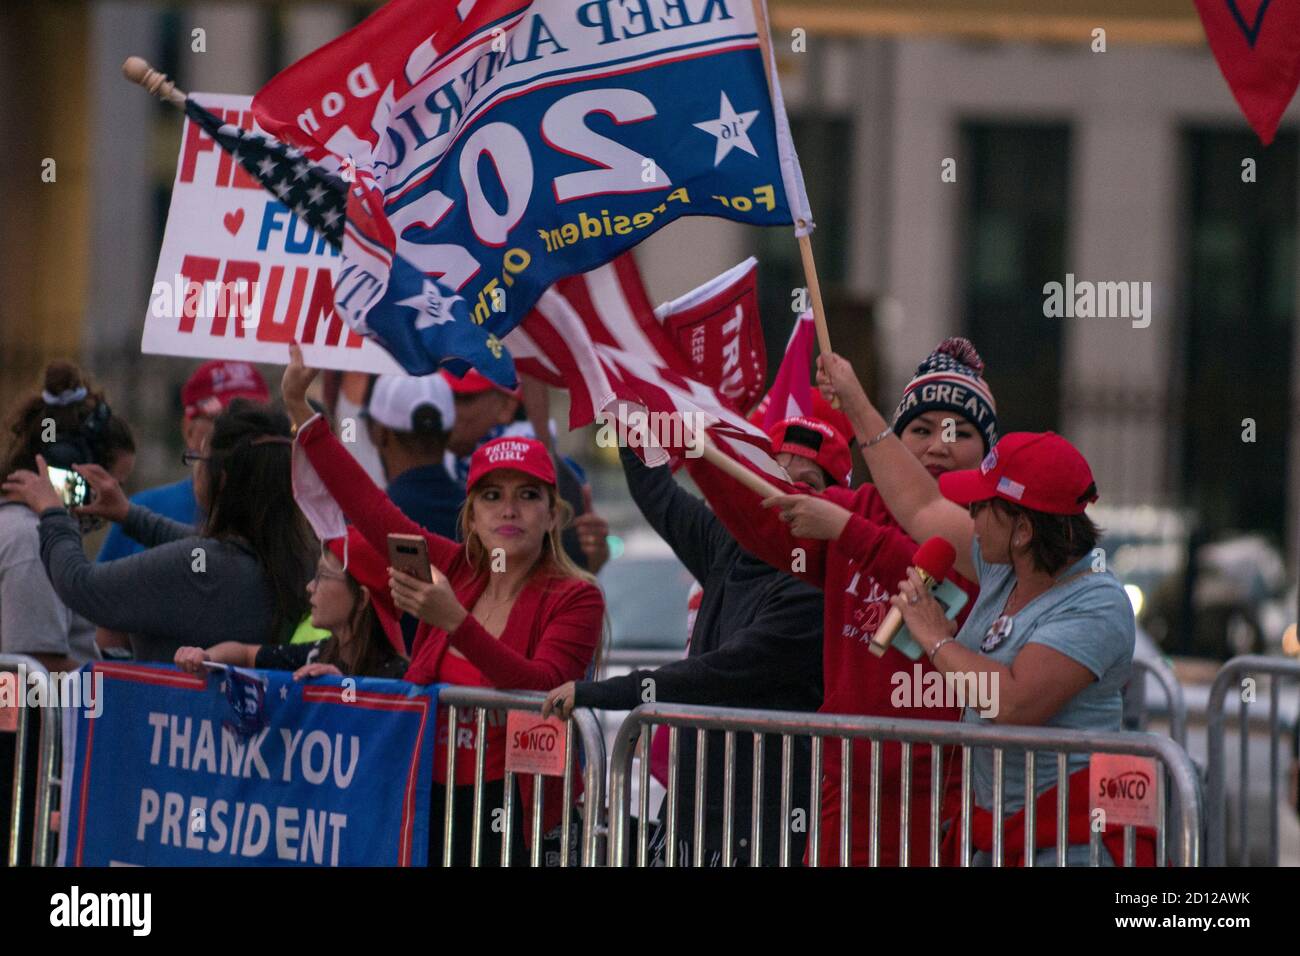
(84, 446)
(71, 487)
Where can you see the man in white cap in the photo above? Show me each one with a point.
(410, 420)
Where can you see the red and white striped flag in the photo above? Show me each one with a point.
(596, 336)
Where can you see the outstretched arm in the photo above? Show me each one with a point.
(760, 530)
(363, 502)
(910, 492)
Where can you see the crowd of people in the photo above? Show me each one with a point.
(278, 509)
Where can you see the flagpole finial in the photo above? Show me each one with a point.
(137, 70)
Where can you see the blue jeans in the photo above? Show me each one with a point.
(1077, 854)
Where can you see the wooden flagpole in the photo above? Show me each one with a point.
(138, 70)
(724, 462)
(805, 241)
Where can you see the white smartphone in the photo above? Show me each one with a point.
(71, 486)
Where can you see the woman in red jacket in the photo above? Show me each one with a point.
(848, 544)
(507, 608)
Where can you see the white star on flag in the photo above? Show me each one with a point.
(284, 691)
(731, 129)
(300, 171)
(267, 166)
(331, 217)
(434, 308)
(315, 194)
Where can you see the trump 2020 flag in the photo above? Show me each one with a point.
(420, 322)
(504, 145)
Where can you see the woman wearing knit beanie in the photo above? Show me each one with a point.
(847, 543)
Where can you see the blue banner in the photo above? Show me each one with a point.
(246, 768)
(500, 145)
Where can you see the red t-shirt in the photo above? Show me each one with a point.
(859, 572)
(551, 636)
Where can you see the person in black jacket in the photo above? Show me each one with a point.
(756, 643)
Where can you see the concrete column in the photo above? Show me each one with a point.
(234, 58)
(121, 118)
(923, 216)
(309, 26)
(1114, 398)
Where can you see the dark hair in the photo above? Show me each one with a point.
(428, 437)
(118, 441)
(373, 649)
(27, 425)
(250, 496)
(1058, 540)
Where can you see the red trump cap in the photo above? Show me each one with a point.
(1038, 470)
(815, 439)
(521, 454)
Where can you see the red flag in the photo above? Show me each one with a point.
(589, 335)
(792, 395)
(717, 330)
(1257, 45)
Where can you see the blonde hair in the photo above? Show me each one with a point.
(554, 561)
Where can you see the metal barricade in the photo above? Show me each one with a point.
(480, 701)
(1175, 702)
(1231, 675)
(26, 670)
(1177, 785)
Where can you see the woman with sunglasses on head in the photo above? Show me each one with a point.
(506, 608)
(1052, 631)
(243, 572)
(350, 600)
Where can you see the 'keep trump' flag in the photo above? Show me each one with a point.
(506, 145)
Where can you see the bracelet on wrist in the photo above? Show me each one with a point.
(888, 430)
(935, 650)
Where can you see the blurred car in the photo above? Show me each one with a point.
(646, 589)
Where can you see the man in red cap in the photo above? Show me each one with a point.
(812, 452)
(206, 393)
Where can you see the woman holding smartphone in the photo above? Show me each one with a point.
(506, 608)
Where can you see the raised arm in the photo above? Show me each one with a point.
(693, 531)
(361, 500)
(910, 492)
(150, 528)
(759, 530)
(781, 647)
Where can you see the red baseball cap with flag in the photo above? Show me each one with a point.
(368, 567)
(815, 439)
(521, 454)
(474, 383)
(1038, 470)
(216, 384)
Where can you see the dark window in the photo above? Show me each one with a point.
(1016, 199)
(1240, 274)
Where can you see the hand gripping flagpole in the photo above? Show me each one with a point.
(137, 70)
(805, 241)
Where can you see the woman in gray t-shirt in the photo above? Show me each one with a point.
(1050, 638)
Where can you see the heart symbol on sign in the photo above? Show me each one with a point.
(233, 220)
